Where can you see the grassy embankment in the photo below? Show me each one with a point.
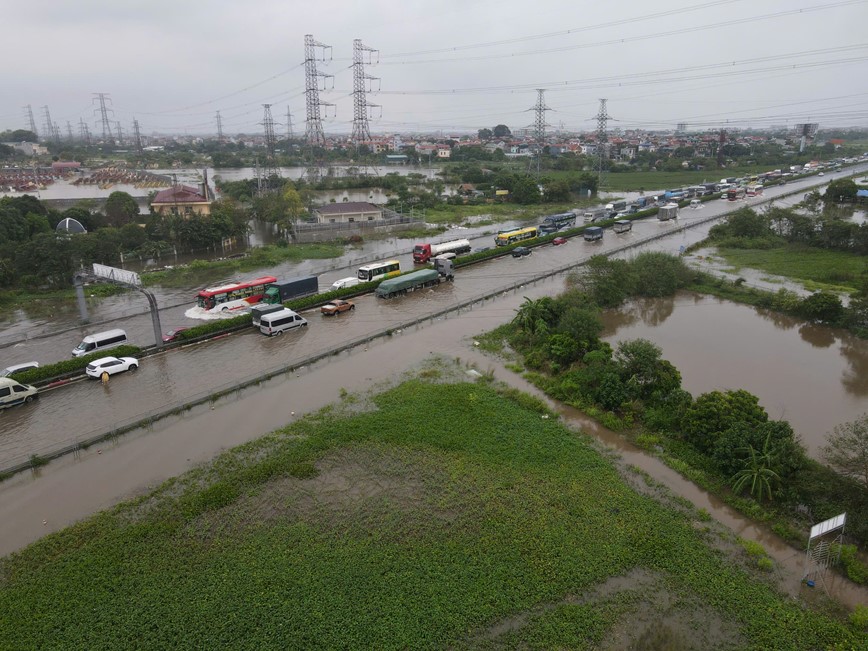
(816, 269)
(434, 516)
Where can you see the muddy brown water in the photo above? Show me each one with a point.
(32, 505)
(811, 376)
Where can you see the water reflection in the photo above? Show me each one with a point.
(817, 336)
(812, 376)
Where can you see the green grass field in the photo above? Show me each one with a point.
(815, 268)
(435, 515)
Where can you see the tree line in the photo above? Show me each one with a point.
(725, 434)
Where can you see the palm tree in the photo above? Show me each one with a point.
(758, 472)
(532, 316)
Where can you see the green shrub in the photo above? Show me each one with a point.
(859, 617)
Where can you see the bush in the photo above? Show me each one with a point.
(51, 371)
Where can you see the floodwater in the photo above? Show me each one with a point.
(32, 505)
(812, 376)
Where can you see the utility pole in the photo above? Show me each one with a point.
(314, 132)
(721, 141)
(120, 133)
(361, 81)
(219, 127)
(104, 116)
(602, 145)
(31, 120)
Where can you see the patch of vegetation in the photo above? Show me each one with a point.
(414, 533)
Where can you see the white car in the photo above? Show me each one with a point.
(111, 365)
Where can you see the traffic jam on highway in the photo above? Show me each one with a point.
(264, 298)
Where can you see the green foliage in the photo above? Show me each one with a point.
(855, 569)
(859, 618)
(659, 274)
(482, 513)
(824, 307)
(841, 191)
(77, 364)
(758, 474)
(644, 372)
(730, 447)
(717, 411)
(608, 281)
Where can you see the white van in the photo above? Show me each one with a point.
(17, 369)
(276, 322)
(13, 392)
(349, 281)
(100, 341)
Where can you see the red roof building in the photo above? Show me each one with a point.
(183, 200)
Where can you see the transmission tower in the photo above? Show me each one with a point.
(288, 124)
(104, 116)
(721, 141)
(539, 125)
(32, 121)
(219, 127)
(84, 131)
(68, 131)
(50, 131)
(120, 132)
(269, 169)
(361, 54)
(314, 132)
(602, 145)
(137, 135)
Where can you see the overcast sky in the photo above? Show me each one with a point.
(444, 65)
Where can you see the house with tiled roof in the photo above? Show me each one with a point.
(183, 200)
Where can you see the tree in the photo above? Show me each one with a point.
(583, 325)
(841, 191)
(607, 281)
(847, 450)
(485, 134)
(121, 209)
(715, 412)
(824, 307)
(643, 371)
(533, 317)
(730, 451)
(659, 274)
(758, 473)
(502, 131)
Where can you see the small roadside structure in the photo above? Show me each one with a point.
(347, 213)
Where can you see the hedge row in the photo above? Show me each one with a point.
(73, 366)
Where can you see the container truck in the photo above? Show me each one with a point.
(261, 309)
(286, 290)
(443, 271)
(422, 253)
(667, 212)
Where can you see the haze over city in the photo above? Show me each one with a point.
(448, 66)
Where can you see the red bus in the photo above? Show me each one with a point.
(234, 296)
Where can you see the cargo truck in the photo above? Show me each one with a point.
(422, 253)
(593, 233)
(667, 212)
(596, 215)
(286, 290)
(410, 282)
(615, 207)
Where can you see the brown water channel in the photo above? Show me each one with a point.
(72, 488)
(812, 376)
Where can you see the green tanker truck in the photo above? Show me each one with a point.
(410, 282)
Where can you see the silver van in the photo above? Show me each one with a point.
(100, 341)
(276, 323)
(13, 392)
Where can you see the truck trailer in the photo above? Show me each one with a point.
(414, 280)
(286, 290)
(422, 253)
(596, 215)
(667, 212)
